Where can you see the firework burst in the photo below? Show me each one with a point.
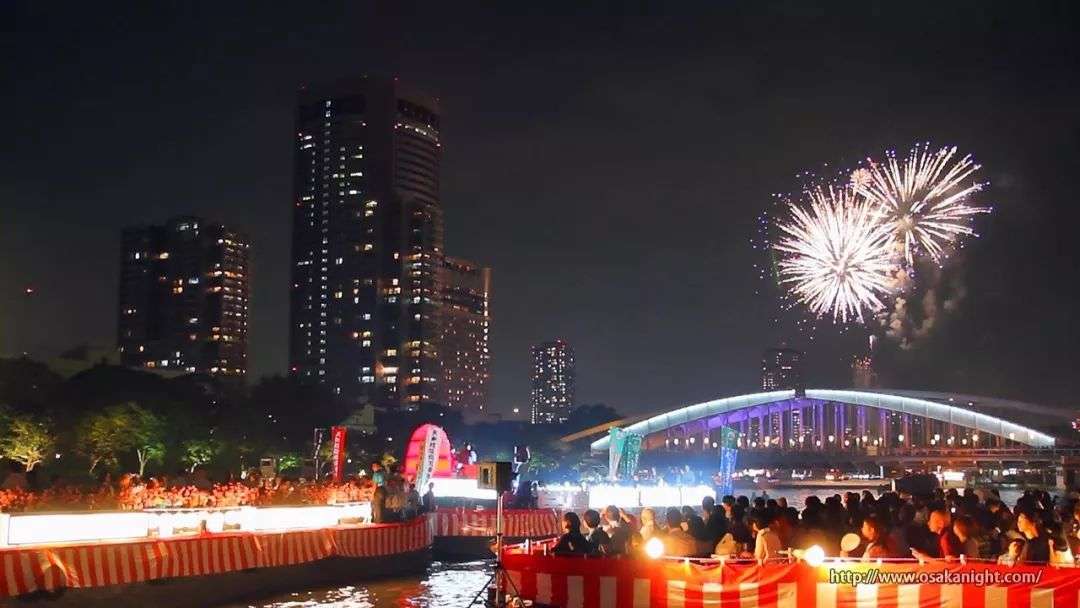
(924, 199)
(837, 255)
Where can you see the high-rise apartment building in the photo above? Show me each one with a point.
(367, 246)
(184, 297)
(553, 378)
(466, 323)
(781, 369)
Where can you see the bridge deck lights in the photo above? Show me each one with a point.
(927, 411)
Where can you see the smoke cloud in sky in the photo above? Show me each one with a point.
(908, 325)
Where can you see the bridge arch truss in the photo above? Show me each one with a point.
(832, 420)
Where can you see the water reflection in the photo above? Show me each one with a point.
(443, 585)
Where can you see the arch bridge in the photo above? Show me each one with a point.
(856, 422)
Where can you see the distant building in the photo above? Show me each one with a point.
(361, 421)
(184, 293)
(863, 374)
(367, 236)
(553, 378)
(465, 356)
(781, 369)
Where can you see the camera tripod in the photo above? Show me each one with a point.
(499, 577)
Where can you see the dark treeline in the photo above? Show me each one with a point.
(110, 419)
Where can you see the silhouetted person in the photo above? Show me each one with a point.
(571, 542)
(597, 537)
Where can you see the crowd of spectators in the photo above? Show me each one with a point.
(947, 525)
(185, 490)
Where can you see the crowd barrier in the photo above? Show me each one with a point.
(567, 582)
(520, 523)
(49, 568)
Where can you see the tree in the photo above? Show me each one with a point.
(289, 461)
(102, 436)
(147, 436)
(541, 461)
(199, 452)
(27, 441)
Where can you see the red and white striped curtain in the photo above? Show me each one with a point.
(625, 583)
(95, 565)
(520, 523)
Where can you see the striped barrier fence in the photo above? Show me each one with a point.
(569, 582)
(45, 568)
(520, 523)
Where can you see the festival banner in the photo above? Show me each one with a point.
(337, 436)
(428, 455)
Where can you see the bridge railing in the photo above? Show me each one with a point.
(997, 453)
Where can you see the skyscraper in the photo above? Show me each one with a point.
(367, 242)
(184, 297)
(466, 322)
(552, 382)
(781, 369)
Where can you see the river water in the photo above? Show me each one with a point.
(443, 585)
(453, 584)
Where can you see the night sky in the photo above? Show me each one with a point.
(609, 166)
